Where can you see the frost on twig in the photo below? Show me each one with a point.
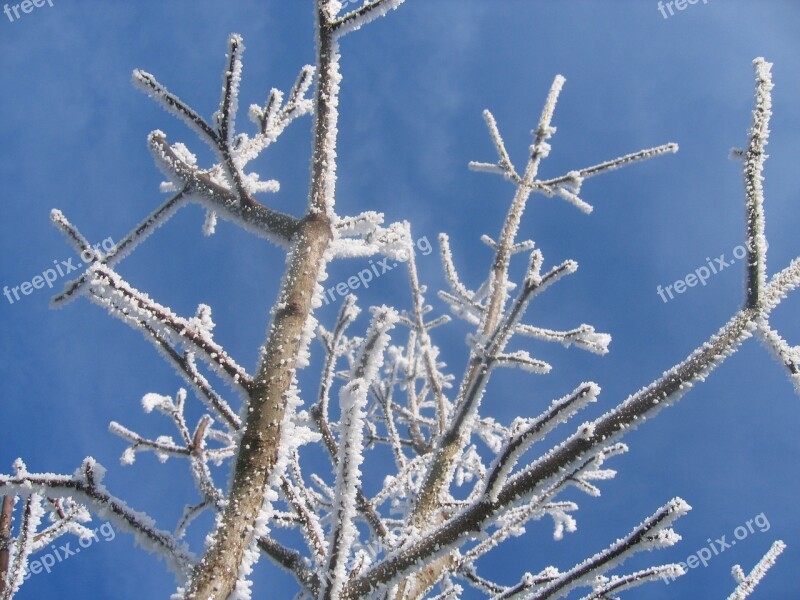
(747, 583)
(356, 19)
(462, 481)
(654, 532)
(437, 533)
(224, 188)
(85, 486)
(754, 157)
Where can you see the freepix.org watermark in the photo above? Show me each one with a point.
(701, 275)
(45, 562)
(61, 269)
(25, 7)
(717, 546)
(664, 7)
(375, 270)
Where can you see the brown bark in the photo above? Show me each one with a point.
(216, 574)
(6, 515)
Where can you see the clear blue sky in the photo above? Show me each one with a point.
(73, 136)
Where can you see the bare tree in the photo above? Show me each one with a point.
(417, 536)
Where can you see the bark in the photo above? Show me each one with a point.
(5, 538)
(217, 572)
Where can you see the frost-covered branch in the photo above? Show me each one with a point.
(32, 513)
(529, 433)
(272, 396)
(65, 517)
(450, 500)
(193, 448)
(653, 533)
(292, 561)
(86, 486)
(6, 522)
(786, 355)
(231, 193)
(337, 344)
(589, 439)
(223, 188)
(604, 587)
(353, 400)
(756, 258)
(371, 10)
(185, 365)
(747, 583)
(488, 307)
(121, 249)
(488, 310)
(421, 328)
(206, 189)
(137, 309)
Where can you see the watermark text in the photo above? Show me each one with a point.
(664, 7)
(61, 268)
(45, 562)
(718, 545)
(376, 269)
(700, 275)
(25, 7)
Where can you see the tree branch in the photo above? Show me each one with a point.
(6, 520)
(754, 191)
(86, 484)
(371, 10)
(289, 333)
(748, 583)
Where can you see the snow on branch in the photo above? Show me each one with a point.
(787, 356)
(276, 115)
(122, 249)
(528, 434)
(74, 237)
(67, 517)
(353, 400)
(229, 102)
(425, 534)
(747, 583)
(86, 486)
(356, 19)
(587, 441)
(224, 188)
(364, 235)
(206, 188)
(488, 352)
(569, 186)
(756, 259)
(604, 587)
(584, 337)
(504, 166)
(497, 317)
(137, 309)
(192, 448)
(566, 186)
(653, 533)
(336, 344)
(219, 137)
(453, 592)
(23, 546)
(311, 523)
(434, 377)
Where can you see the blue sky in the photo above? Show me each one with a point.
(73, 137)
